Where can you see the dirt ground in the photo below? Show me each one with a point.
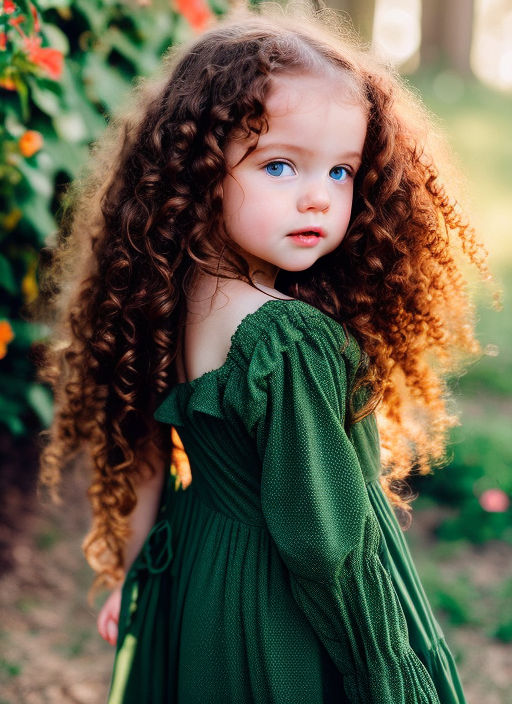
(50, 652)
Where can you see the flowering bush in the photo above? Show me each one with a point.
(477, 484)
(64, 67)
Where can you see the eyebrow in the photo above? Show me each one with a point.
(300, 148)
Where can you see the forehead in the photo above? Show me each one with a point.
(305, 111)
(318, 112)
(296, 91)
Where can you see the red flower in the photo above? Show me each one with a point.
(16, 21)
(3, 41)
(9, 7)
(46, 58)
(51, 60)
(35, 17)
(196, 12)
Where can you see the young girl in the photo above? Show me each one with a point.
(263, 256)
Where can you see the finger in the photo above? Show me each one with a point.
(112, 632)
(104, 616)
(102, 623)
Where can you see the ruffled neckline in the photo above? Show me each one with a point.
(236, 335)
(202, 393)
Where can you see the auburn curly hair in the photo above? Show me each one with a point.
(146, 217)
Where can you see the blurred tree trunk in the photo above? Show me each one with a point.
(361, 13)
(447, 33)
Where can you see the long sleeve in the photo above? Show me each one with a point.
(317, 509)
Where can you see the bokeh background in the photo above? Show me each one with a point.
(64, 67)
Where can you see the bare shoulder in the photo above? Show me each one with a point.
(210, 326)
(243, 299)
(236, 301)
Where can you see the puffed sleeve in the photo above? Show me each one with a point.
(317, 509)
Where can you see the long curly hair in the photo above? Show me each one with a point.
(146, 218)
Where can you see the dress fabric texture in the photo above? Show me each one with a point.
(280, 575)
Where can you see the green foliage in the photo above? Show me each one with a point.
(491, 374)
(481, 460)
(503, 628)
(64, 68)
(456, 602)
(460, 601)
(480, 450)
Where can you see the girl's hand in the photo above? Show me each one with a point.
(108, 617)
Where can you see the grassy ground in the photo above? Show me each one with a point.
(50, 651)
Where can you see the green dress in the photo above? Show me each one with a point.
(280, 575)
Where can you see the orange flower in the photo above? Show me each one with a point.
(180, 466)
(196, 12)
(6, 335)
(3, 41)
(30, 142)
(51, 60)
(7, 84)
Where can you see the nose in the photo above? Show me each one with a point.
(313, 196)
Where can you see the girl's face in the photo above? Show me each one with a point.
(300, 177)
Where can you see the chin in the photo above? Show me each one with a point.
(298, 266)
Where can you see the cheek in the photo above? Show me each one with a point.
(346, 205)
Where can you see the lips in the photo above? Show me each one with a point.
(316, 231)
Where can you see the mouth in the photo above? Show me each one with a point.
(315, 231)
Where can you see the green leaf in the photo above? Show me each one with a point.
(40, 400)
(7, 279)
(56, 38)
(105, 84)
(26, 333)
(156, 29)
(77, 101)
(143, 61)
(10, 412)
(95, 16)
(66, 156)
(45, 99)
(35, 204)
(47, 4)
(39, 179)
(23, 96)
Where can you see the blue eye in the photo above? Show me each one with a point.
(339, 173)
(278, 168)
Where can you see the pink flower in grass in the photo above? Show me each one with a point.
(494, 501)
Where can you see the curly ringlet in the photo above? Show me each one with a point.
(146, 216)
